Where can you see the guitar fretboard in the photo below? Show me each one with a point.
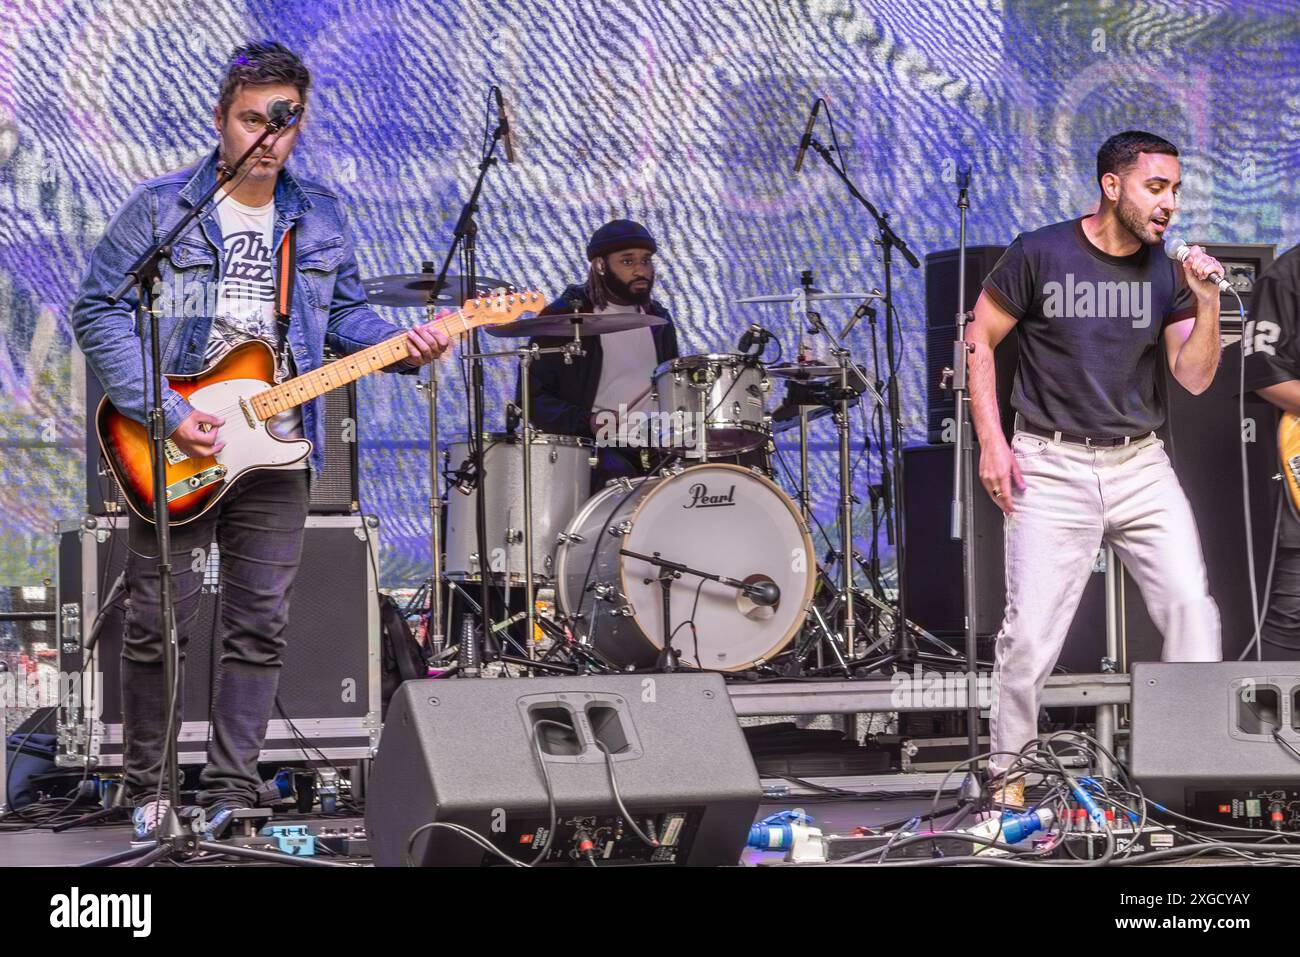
(339, 373)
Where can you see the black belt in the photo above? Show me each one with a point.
(1084, 440)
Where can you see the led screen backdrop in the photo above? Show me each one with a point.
(683, 114)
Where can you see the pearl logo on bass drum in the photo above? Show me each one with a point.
(700, 497)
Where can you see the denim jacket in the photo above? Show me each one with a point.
(329, 304)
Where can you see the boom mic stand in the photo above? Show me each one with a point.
(464, 240)
(904, 646)
(963, 475)
(176, 841)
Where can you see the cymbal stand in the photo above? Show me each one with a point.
(525, 356)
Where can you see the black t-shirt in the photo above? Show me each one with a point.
(1089, 325)
(1271, 345)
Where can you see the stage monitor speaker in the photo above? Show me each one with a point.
(329, 685)
(335, 491)
(941, 332)
(1219, 741)
(464, 752)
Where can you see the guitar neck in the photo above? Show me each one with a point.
(339, 373)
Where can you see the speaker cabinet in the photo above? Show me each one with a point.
(1212, 740)
(465, 752)
(941, 332)
(330, 682)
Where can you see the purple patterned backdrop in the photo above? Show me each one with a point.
(679, 113)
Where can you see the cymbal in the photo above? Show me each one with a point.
(561, 324)
(803, 371)
(812, 297)
(412, 289)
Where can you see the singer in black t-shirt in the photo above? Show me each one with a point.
(1092, 299)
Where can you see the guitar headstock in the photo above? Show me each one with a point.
(502, 305)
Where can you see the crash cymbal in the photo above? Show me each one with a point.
(811, 297)
(803, 371)
(412, 289)
(561, 324)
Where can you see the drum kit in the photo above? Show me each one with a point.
(594, 573)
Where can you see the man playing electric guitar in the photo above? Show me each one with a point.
(272, 261)
(1271, 351)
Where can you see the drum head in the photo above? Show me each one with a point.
(725, 520)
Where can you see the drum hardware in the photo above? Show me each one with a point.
(577, 324)
(422, 289)
(811, 297)
(525, 357)
(765, 593)
(903, 649)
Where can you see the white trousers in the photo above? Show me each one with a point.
(1075, 498)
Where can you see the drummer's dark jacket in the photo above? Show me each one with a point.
(563, 395)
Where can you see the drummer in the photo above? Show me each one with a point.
(614, 377)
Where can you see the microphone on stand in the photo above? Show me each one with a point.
(963, 178)
(865, 310)
(282, 112)
(807, 135)
(763, 593)
(755, 335)
(503, 118)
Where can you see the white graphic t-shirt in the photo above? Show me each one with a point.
(246, 299)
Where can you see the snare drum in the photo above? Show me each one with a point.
(727, 392)
(721, 519)
(561, 482)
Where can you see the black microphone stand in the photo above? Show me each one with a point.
(669, 572)
(903, 650)
(464, 240)
(963, 496)
(175, 840)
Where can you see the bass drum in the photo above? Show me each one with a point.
(722, 519)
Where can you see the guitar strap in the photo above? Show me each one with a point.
(288, 256)
(287, 260)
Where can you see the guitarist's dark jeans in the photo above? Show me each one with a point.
(258, 528)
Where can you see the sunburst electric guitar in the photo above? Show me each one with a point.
(239, 389)
(1288, 449)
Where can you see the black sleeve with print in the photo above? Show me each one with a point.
(1270, 343)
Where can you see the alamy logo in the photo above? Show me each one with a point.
(77, 910)
(1085, 299)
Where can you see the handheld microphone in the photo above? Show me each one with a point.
(507, 134)
(807, 136)
(1177, 249)
(282, 112)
